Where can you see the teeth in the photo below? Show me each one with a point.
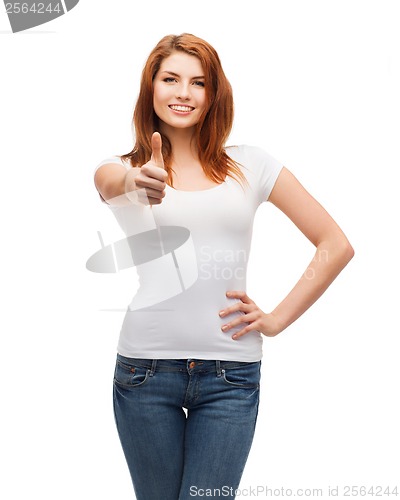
(181, 108)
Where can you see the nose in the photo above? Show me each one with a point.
(183, 91)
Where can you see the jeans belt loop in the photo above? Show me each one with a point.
(153, 367)
(218, 366)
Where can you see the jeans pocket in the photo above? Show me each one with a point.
(246, 376)
(130, 376)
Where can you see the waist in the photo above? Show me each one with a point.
(185, 365)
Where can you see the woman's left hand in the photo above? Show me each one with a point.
(253, 316)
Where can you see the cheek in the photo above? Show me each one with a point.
(201, 100)
(158, 96)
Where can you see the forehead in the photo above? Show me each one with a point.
(182, 63)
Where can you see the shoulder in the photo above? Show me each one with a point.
(247, 151)
(253, 157)
(260, 168)
(112, 160)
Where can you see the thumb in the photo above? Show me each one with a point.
(156, 150)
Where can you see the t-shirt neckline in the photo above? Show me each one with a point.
(198, 190)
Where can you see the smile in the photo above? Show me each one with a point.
(181, 109)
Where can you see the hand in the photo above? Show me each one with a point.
(147, 183)
(256, 319)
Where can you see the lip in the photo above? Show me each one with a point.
(181, 112)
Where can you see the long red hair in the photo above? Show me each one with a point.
(215, 124)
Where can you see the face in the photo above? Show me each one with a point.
(179, 96)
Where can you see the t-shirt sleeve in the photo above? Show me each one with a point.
(266, 170)
(111, 159)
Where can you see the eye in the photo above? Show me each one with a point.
(199, 83)
(169, 79)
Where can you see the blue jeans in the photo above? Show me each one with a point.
(172, 456)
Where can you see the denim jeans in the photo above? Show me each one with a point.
(174, 456)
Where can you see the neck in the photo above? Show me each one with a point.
(184, 151)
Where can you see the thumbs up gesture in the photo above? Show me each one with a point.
(156, 148)
(150, 179)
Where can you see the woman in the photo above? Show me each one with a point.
(186, 385)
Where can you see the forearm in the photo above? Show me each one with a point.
(127, 189)
(114, 183)
(329, 260)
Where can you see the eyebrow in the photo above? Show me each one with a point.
(175, 74)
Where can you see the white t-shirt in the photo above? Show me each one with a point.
(188, 252)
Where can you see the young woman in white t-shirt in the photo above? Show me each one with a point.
(192, 337)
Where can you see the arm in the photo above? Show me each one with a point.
(139, 185)
(333, 252)
(113, 181)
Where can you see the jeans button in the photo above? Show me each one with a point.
(192, 364)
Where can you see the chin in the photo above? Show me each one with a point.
(176, 125)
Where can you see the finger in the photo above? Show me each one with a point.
(237, 307)
(239, 294)
(145, 199)
(150, 169)
(244, 318)
(245, 330)
(156, 150)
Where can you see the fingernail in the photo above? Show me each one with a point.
(221, 313)
(224, 328)
(234, 337)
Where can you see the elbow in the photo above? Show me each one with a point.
(336, 249)
(345, 251)
(350, 251)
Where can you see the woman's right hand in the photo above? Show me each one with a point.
(147, 183)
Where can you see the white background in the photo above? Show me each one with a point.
(316, 84)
